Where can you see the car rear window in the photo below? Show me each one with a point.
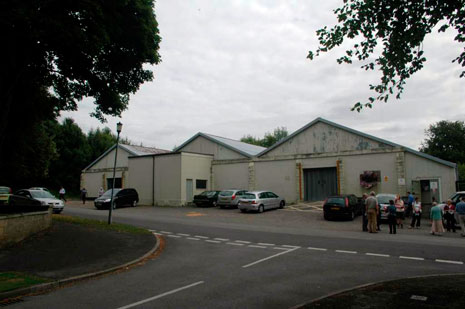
(249, 196)
(336, 201)
(384, 199)
(226, 193)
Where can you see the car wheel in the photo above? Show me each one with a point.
(326, 216)
(222, 206)
(260, 209)
(244, 210)
(281, 205)
(134, 203)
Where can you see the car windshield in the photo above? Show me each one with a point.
(41, 194)
(226, 193)
(249, 196)
(385, 198)
(208, 193)
(108, 193)
(336, 201)
(4, 190)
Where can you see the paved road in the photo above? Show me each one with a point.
(215, 258)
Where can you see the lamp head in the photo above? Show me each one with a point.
(119, 127)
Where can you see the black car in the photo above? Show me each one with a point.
(206, 198)
(121, 197)
(341, 206)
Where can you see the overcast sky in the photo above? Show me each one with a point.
(232, 68)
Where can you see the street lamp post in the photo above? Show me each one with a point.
(119, 126)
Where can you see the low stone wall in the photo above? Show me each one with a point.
(16, 227)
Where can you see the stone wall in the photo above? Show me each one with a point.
(16, 227)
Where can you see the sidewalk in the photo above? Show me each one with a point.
(68, 250)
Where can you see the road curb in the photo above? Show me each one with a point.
(58, 283)
(367, 285)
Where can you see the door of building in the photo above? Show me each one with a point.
(189, 190)
(319, 183)
(118, 183)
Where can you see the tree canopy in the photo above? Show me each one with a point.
(268, 140)
(445, 140)
(400, 27)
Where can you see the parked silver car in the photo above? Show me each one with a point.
(230, 198)
(260, 201)
(383, 202)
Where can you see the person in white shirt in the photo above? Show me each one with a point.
(416, 214)
(62, 193)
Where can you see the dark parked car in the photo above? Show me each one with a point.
(206, 198)
(44, 197)
(121, 197)
(341, 206)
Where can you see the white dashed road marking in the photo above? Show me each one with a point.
(255, 246)
(449, 262)
(203, 237)
(234, 244)
(411, 258)
(346, 251)
(185, 235)
(377, 254)
(266, 244)
(242, 241)
(192, 238)
(213, 241)
(317, 249)
(165, 232)
(174, 236)
(270, 257)
(221, 239)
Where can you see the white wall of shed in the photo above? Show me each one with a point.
(195, 167)
(231, 176)
(205, 146)
(279, 177)
(108, 160)
(141, 178)
(418, 168)
(168, 180)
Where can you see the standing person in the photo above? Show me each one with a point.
(460, 209)
(416, 214)
(364, 213)
(62, 193)
(372, 209)
(83, 195)
(449, 216)
(436, 220)
(400, 211)
(392, 216)
(410, 201)
(100, 192)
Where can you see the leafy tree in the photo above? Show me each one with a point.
(268, 140)
(400, 27)
(445, 140)
(99, 141)
(74, 49)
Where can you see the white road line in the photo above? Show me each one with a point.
(175, 236)
(213, 241)
(242, 241)
(222, 239)
(255, 246)
(154, 233)
(411, 258)
(289, 246)
(265, 244)
(270, 257)
(318, 249)
(185, 235)
(280, 248)
(192, 238)
(377, 254)
(234, 244)
(161, 295)
(152, 230)
(449, 262)
(346, 251)
(203, 237)
(165, 232)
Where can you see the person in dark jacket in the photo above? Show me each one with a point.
(364, 213)
(392, 218)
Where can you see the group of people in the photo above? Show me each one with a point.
(83, 194)
(396, 212)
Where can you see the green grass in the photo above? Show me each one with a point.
(103, 225)
(12, 280)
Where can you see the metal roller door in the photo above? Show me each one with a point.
(319, 183)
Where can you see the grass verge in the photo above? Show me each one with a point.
(103, 225)
(428, 292)
(12, 280)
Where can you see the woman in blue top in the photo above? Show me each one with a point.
(391, 210)
(436, 221)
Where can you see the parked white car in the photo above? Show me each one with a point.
(383, 202)
(44, 197)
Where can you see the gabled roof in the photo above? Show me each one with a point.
(244, 149)
(133, 150)
(380, 140)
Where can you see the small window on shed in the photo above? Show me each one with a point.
(200, 184)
